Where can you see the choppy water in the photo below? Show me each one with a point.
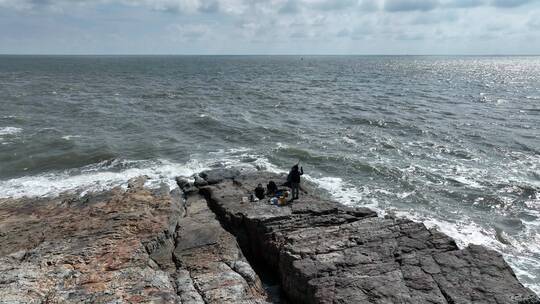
(451, 141)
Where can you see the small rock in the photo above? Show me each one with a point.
(137, 182)
(200, 182)
(182, 182)
(217, 175)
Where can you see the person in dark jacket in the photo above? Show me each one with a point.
(294, 180)
(271, 188)
(259, 191)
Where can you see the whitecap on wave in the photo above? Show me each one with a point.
(349, 140)
(69, 137)
(94, 178)
(346, 193)
(10, 130)
(112, 173)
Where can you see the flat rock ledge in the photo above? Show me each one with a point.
(200, 244)
(121, 246)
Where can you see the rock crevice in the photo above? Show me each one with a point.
(324, 252)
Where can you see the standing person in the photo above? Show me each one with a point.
(294, 180)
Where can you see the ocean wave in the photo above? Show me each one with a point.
(306, 155)
(10, 130)
(69, 137)
(160, 95)
(349, 140)
(95, 179)
(346, 193)
(116, 172)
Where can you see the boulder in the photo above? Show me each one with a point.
(199, 181)
(217, 175)
(182, 182)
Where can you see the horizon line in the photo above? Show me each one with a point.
(247, 54)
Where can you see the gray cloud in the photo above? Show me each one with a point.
(290, 7)
(209, 7)
(254, 26)
(369, 5)
(299, 35)
(429, 19)
(40, 2)
(295, 6)
(534, 22)
(463, 3)
(343, 33)
(510, 3)
(180, 6)
(189, 31)
(172, 6)
(330, 5)
(286, 7)
(410, 36)
(410, 5)
(362, 31)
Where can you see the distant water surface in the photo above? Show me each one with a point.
(451, 141)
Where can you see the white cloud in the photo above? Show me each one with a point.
(253, 26)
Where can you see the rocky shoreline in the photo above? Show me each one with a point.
(200, 244)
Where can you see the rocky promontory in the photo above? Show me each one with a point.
(200, 243)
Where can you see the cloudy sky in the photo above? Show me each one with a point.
(270, 26)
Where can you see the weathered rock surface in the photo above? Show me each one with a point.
(121, 246)
(190, 245)
(324, 252)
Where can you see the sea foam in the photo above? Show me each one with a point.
(10, 130)
(108, 174)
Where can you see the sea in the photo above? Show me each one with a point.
(451, 141)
